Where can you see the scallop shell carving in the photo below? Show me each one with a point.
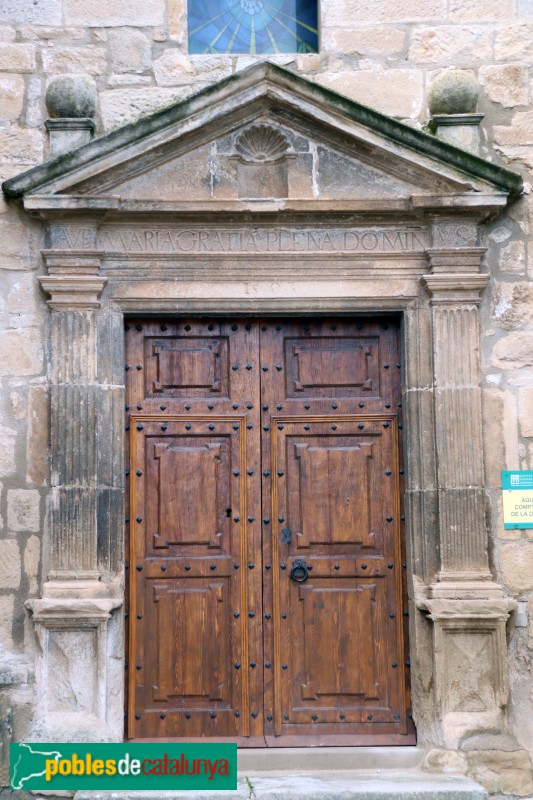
(261, 143)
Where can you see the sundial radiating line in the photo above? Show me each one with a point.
(213, 19)
(235, 32)
(269, 32)
(292, 19)
(252, 36)
(219, 34)
(280, 22)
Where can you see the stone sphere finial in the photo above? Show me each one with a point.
(453, 92)
(71, 96)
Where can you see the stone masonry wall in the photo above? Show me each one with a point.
(381, 52)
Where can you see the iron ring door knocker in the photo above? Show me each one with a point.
(299, 572)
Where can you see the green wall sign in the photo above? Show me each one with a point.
(517, 487)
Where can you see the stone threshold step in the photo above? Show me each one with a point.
(329, 759)
(348, 785)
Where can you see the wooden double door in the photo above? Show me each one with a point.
(266, 590)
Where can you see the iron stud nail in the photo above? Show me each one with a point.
(163, 716)
(266, 473)
(249, 472)
(235, 367)
(341, 716)
(369, 716)
(163, 567)
(363, 566)
(361, 405)
(127, 367)
(213, 715)
(396, 717)
(187, 328)
(210, 406)
(139, 472)
(307, 406)
(361, 426)
(283, 616)
(284, 666)
(139, 408)
(390, 565)
(253, 664)
(126, 665)
(251, 565)
(251, 519)
(140, 427)
(333, 427)
(279, 367)
(399, 405)
(162, 327)
(126, 615)
(279, 407)
(127, 408)
(137, 716)
(139, 367)
(235, 406)
(187, 567)
(280, 473)
(235, 427)
(269, 717)
(268, 664)
(210, 327)
(127, 473)
(126, 519)
(164, 427)
(307, 427)
(389, 519)
(236, 519)
(314, 717)
(187, 407)
(386, 366)
(268, 616)
(266, 427)
(263, 328)
(234, 327)
(402, 471)
(212, 567)
(236, 614)
(249, 405)
(139, 567)
(139, 616)
(248, 367)
(266, 520)
(388, 472)
(394, 665)
(236, 472)
(387, 405)
(211, 427)
(280, 427)
(265, 408)
(138, 666)
(237, 713)
(249, 426)
(385, 424)
(264, 368)
(237, 665)
(334, 405)
(404, 566)
(337, 566)
(285, 716)
(188, 426)
(187, 716)
(283, 565)
(138, 327)
(139, 519)
(407, 663)
(254, 714)
(281, 519)
(126, 327)
(251, 614)
(235, 566)
(392, 616)
(398, 365)
(400, 426)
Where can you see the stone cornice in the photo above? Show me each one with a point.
(455, 287)
(455, 259)
(73, 291)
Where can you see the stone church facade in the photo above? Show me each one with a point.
(366, 196)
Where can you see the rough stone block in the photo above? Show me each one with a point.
(524, 8)
(175, 69)
(513, 258)
(502, 772)
(519, 132)
(120, 106)
(364, 41)
(87, 60)
(480, 10)
(530, 631)
(513, 304)
(15, 250)
(46, 12)
(397, 92)
(22, 298)
(21, 352)
(516, 566)
(344, 12)
(494, 448)
(7, 33)
(7, 608)
(23, 510)
(176, 18)
(12, 94)
(525, 411)
(32, 556)
(514, 351)
(17, 57)
(129, 50)
(46, 33)
(22, 148)
(513, 42)
(34, 114)
(96, 13)
(37, 441)
(7, 451)
(451, 44)
(9, 564)
(506, 84)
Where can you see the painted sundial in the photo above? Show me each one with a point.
(253, 26)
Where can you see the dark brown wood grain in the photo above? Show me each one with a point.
(256, 446)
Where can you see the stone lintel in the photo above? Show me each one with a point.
(448, 260)
(455, 287)
(73, 291)
(495, 608)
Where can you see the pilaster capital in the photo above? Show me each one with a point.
(455, 259)
(455, 287)
(73, 279)
(449, 610)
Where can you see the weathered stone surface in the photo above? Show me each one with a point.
(22, 301)
(12, 93)
(46, 12)
(394, 91)
(519, 132)
(516, 566)
(344, 12)
(9, 564)
(454, 91)
(513, 258)
(480, 10)
(23, 510)
(32, 557)
(525, 410)
(120, 106)
(7, 33)
(7, 607)
(450, 43)
(17, 57)
(445, 761)
(176, 18)
(90, 60)
(506, 84)
(530, 631)
(514, 351)
(15, 250)
(365, 41)
(37, 441)
(20, 147)
(34, 116)
(175, 69)
(7, 450)
(21, 352)
(101, 12)
(512, 304)
(524, 8)
(71, 96)
(494, 445)
(129, 50)
(47, 33)
(513, 42)
(502, 772)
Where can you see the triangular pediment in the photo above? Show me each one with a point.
(266, 134)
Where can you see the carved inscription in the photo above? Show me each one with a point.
(254, 240)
